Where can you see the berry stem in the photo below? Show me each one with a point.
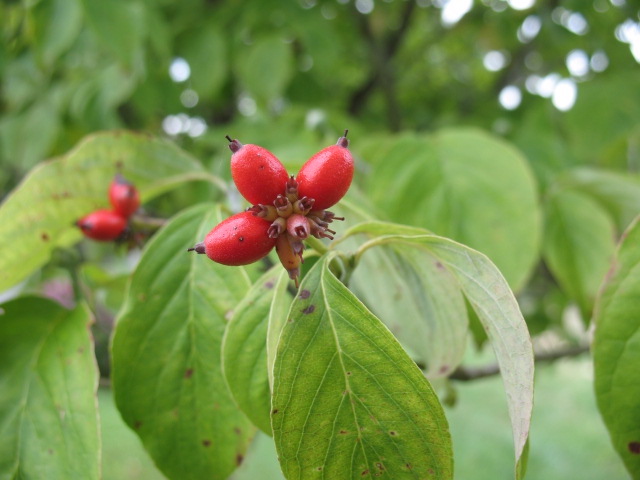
(317, 245)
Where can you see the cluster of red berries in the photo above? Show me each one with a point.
(106, 225)
(286, 209)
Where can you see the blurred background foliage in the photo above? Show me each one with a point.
(543, 177)
(195, 68)
(556, 79)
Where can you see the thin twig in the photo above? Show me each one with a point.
(467, 374)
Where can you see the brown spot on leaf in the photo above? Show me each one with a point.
(379, 466)
(274, 411)
(290, 320)
(269, 285)
(409, 466)
(365, 472)
(319, 468)
(440, 266)
(50, 451)
(137, 424)
(206, 443)
(393, 433)
(237, 431)
(309, 309)
(239, 459)
(430, 471)
(343, 432)
(188, 373)
(142, 297)
(80, 350)
(44, 236)
(444, 369)
(348, 373)
(304, 294)
(634, 447)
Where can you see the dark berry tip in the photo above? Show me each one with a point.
(198, 248)
(234, 145)
(343, 141)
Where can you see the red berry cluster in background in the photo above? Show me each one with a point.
(286, 209)
(107, 225)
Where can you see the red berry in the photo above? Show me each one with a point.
(103, 225)
(123, 196)
(327, 175)
(238, 240)
(258, 174)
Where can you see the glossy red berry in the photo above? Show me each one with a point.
(327, 175)
(123, 196)
(285, 211)
(103, 225)
(258, 174)
(238, 240)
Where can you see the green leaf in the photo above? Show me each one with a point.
(618, 193)
(205, 50)
(463, 184)
(497, 309)
(277, 320)
(48, 380)
(419, 301)
(578, 245)
(616, 346)
(266, 70)
(58, 24)
(39, 214)
(40, 123)
(604, 138)
(244, 347)
(166, 350)
(348, 402)
(119, 25)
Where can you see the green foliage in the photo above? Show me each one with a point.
(427, 312)
(55, 194)
(465, 185)
(167, 376)
(371, 411)
(615, 351)
(203, 353)
(48, 379)
(244, 347)
(496, 308)
(578, 246)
